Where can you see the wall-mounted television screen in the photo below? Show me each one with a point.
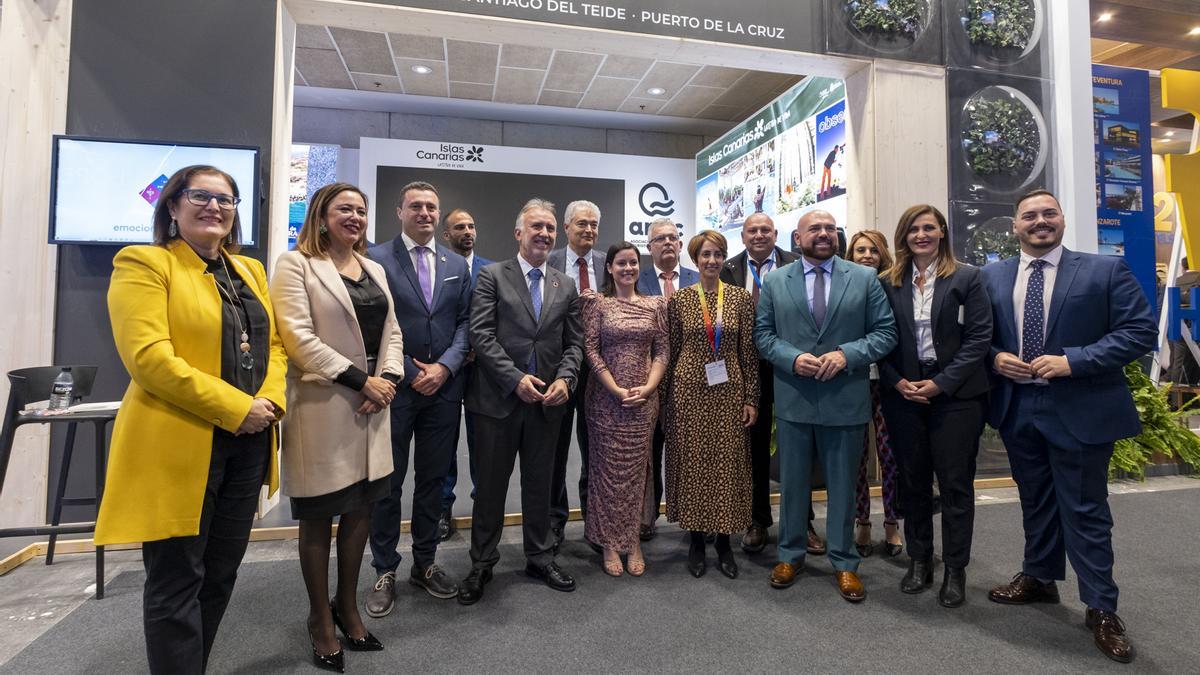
(103, 191)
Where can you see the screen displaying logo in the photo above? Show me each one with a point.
(152, 191)
(662, 204)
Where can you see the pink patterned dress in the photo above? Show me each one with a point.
(624, 337)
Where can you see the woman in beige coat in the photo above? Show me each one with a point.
(345, 356)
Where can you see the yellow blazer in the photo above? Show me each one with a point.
(166, 319)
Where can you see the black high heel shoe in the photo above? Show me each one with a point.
(367, 644)
(335, 661)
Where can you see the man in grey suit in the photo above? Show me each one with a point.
(663, 275)
(585, 267)
(528, 346)
(431, 288)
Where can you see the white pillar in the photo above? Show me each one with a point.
(35, 44)
(1071, 59)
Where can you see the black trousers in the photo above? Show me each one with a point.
(189, 580)
(760, 447)
(657, 441)
(499, 441)
(939, 438)
(560, 505)
(433, 421)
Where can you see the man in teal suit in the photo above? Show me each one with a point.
(821, 323)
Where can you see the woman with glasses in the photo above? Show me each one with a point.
(194, 440)
(934, 393)
(869, 248)
(625, 340)
(711, 403)
(337, 321)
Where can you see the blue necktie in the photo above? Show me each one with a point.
(535, 295)
(1032, 330)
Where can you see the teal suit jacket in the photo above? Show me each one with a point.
(858, 320)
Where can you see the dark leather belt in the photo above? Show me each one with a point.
(371, 361)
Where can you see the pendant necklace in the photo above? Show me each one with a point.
(246, 360)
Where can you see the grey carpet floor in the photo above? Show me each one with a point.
(669, 622)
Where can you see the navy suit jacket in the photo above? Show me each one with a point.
(436, 334)
(648, 280)
(478, 263)
(1100, 320)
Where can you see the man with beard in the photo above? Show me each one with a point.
(585, 266)
(458, 230)
(748, 269)
(662, 277)
(431, 288)
(528, 346)
(1066, 324)
(821, 323)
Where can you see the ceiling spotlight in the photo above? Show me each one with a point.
(422, 70)
(1107, 16)
(1169, 134)
(656, 91)
(1194, 31)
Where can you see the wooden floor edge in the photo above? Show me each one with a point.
(286, 532)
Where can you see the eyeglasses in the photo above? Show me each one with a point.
(203, 197)
(672, 238)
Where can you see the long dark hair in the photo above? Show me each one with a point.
(177, 183)
(946, 260)
(609, 287)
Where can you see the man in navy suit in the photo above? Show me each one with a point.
(431, 287)
(585, 266)
(663, 275)
(1065, 325)
(458, 230)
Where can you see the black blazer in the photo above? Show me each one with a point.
(734, 271)
(961, 346)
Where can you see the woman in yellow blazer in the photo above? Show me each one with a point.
(193, 442)
(346, 354)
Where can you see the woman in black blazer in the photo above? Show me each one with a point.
(935, 388)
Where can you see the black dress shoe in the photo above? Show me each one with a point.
(471, 588)
(954, 587)
(647, 532)
(553, 575)
(755, 539)
(919, 577)
(1109, 634)
(370, 643)
(727, 564)
(445, 525)
(434, 580)
(1024, 589)
(335, 661)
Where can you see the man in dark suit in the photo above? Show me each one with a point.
(585, 267)
(747, 270)
(431, 288)
(528, 344)
(661, 275)
(458, 230)
(1065, 325)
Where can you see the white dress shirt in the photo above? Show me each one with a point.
(430, 257)
(1049, 273)
(470, 257)
(767, 266)
(573, 269)
(674, 274)
(923, 311)
(525, 267)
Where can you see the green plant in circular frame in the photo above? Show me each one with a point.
(1000, 23)
(992, 243)
(1000, 137)
(889, 17)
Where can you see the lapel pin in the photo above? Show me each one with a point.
(443, 258)
(555, 284)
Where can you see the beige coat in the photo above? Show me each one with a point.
(327, 446)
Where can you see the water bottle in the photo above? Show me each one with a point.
(62, 390)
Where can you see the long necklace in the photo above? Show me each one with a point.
(246, 360)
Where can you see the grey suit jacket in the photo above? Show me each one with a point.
(504, 333)
(596, 259)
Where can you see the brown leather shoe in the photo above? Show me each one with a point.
(816, 545)
(850, 587)
(1109, 633)
(1024, 589)
(784, 574)
(755, 539)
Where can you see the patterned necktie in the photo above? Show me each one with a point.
(535, 294)
(818, 303)
(423, 274)
(584, 284)
(1032, 337)
(668, 287)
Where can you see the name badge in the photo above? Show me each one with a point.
(716, 373)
